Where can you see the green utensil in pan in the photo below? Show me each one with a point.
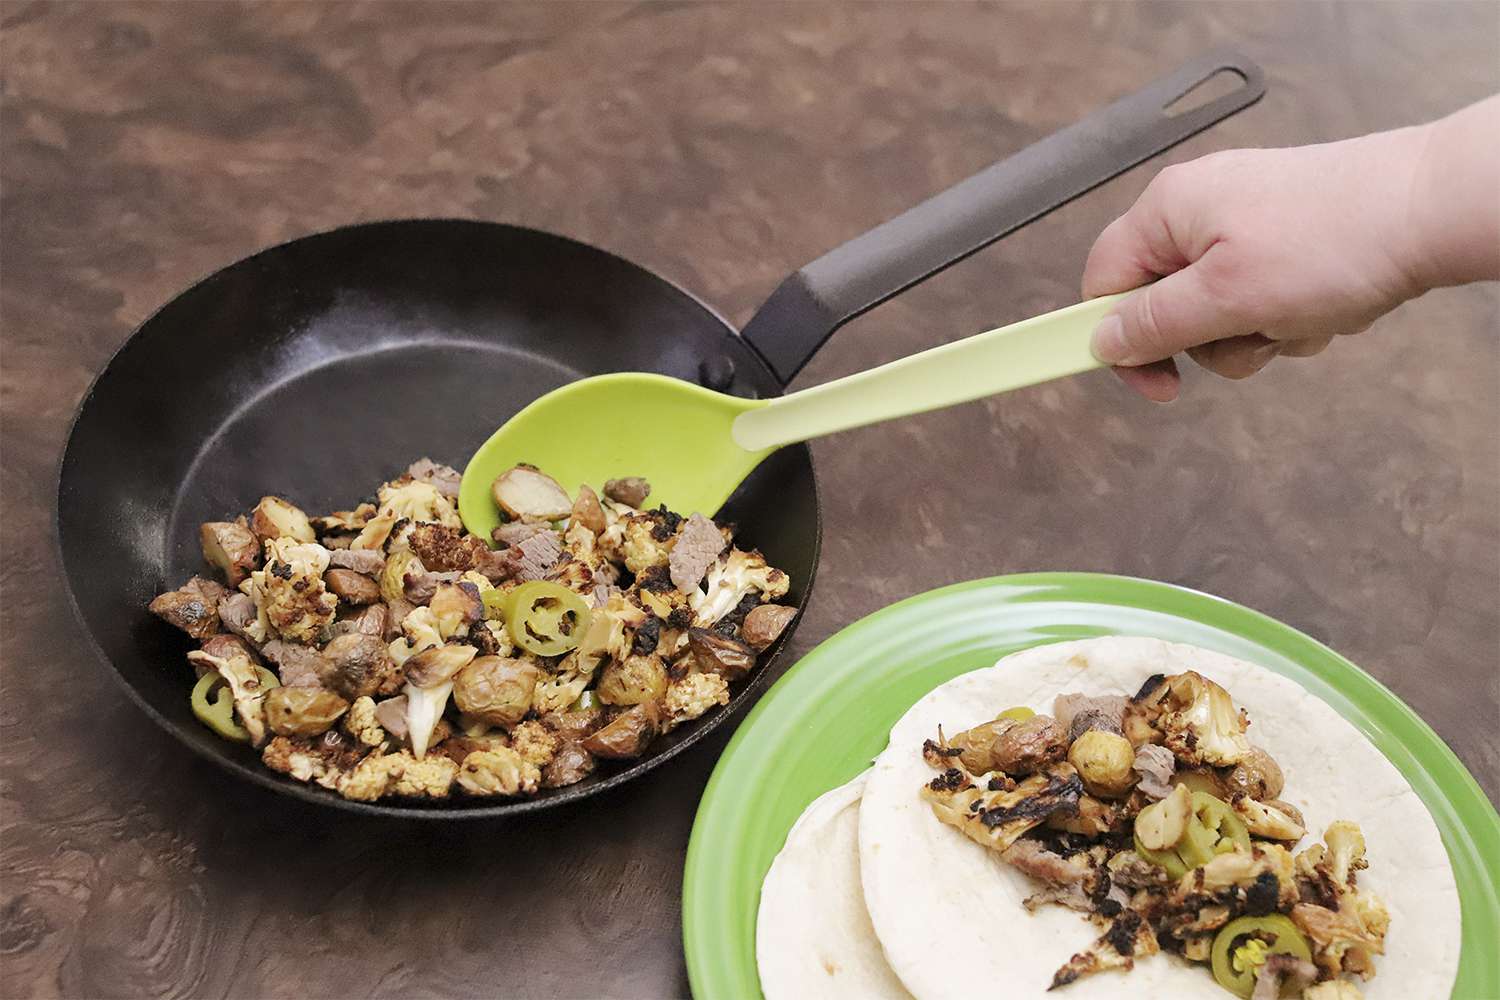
(695, 445)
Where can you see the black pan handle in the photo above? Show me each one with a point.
(809, 305)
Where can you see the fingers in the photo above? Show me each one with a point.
(1237, 357)
(1120, 259)
(1306, 347)
(1158, 382)
(1140, 245)
(1178, 312)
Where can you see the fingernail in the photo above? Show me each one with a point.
(1109, 344)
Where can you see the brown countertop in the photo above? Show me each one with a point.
(1355, 496)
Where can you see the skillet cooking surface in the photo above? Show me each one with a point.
(320, 368)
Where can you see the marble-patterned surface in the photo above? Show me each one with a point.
(1355, 496)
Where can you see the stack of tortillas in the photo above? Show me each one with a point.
(872, 896)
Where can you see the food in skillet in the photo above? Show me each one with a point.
(384, 651)
(1157, 818)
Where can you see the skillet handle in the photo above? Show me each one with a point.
(808, 306)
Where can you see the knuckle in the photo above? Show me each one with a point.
(1150, 337)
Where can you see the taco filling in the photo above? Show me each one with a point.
(1155, 817)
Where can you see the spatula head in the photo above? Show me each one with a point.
(673, 433)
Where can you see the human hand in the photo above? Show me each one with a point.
(1263, 253)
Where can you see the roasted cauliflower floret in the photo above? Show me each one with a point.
(1266, 820)
(430, 777)
(647, 539)
(690, 696)
(1346, 939)
(735, 574)
(369, 779)
(1346, 852)
(290, 598)
(405, 499)
(535, 743)
(1349, 926)
(361, 724)
(421, 629)
(499, 771)
(1200, 724)
(345, 521)
(310, 759)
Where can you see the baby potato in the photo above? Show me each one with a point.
(1258, 776)
(1018, 748)
(1105, 762)
(495, 689)
(633, 680)
(628, 735)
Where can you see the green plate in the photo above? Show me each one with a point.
(821, 724)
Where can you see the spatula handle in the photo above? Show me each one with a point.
(810, 304)
(1034, 350)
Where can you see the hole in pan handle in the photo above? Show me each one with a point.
(809, 305)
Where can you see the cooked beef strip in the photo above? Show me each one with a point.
(533, 557)
(237, 613)
(697, 548)
(296, 664)
(515, 532)
(444, 477)
(1156, 766)
(366, 561)
(1066, 706)
(419, 587)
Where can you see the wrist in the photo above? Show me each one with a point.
(1452, 208)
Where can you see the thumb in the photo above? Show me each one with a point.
(1167, 317)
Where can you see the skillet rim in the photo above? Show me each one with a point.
(315, 794)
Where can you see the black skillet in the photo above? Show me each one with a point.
(319, 368)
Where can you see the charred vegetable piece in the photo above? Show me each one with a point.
(1243, 945)
(633, 680)
(631, 491)
(302, 711)
(1258, 776)
(213, 704)
(765, 623)
(546, 618)
(587, 510)
(524, 492)
(1016, 748)
(717, 654)
(628, 735)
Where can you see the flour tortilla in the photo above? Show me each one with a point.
(813, 938)
(948, 913)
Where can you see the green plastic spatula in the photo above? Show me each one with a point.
(695, 445)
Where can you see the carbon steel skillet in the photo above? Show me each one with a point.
(327, 355)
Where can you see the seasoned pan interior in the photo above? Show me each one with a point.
(318, 369)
